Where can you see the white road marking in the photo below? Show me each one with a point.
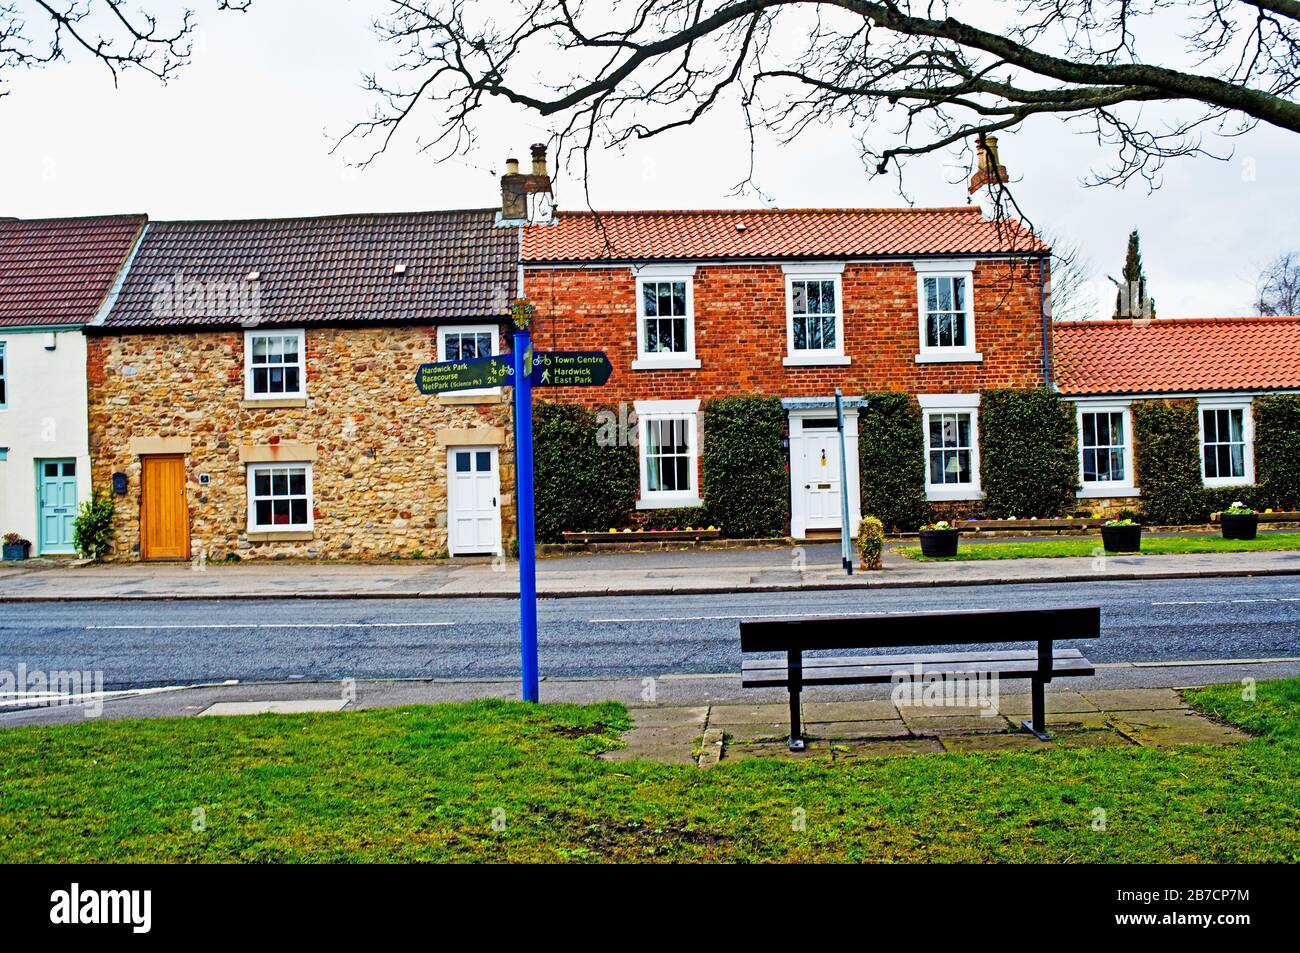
(750, 615)
(1225, 602)
(282, 625)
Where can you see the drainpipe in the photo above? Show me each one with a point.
(1046, 320)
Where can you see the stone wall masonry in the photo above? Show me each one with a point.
(379, 478)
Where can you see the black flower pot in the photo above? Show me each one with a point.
(16, 551)
(938, 543)
(1239, 525)
(1121, 539)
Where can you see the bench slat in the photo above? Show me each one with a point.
(925, 628)
(755, 664)
(874, 674)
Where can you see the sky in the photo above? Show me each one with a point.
(246, 131)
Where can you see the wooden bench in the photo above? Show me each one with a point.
(1039, 664)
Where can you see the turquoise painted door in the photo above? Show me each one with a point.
(57, 481)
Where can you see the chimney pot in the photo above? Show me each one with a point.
(539, 158)
(512, 167)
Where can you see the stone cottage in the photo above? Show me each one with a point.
(252, 388)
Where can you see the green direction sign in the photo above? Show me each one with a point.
(464, 375)
(570, 369)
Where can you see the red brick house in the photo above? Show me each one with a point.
(793, 303)
(1223, 364)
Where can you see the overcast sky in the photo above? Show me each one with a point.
(246, 131)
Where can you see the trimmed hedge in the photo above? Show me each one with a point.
(891, 453)
(578, 484)
(1277, 451)
(1028, 453)
(746, 484)
(1167, 443)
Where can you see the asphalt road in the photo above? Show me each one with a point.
(169, 643)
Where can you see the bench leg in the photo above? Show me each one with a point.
(1038, 725)
(796, 729)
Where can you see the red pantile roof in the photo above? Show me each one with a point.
(773, 233)
(1177, 356)
(59, 270)
(331, 269)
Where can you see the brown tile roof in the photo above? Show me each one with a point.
(59, 270)
(773, 233)
(1177, 356)
(335, 269)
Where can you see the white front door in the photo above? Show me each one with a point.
(820, 473)
(473, 501)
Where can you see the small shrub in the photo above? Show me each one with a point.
(891, 453)
(1167, 439)
(578, 484)
(871, 542)
(746, 485)
(1028, 453)
(92, 531)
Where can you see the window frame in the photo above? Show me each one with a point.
(938, 404)
(441, 355)
(1107, 488)
(249, 478)
(661, 360)
(814, 357)
(659, 410)
(1247, 433)
(249, 336)
(927, 354)
(4, 376)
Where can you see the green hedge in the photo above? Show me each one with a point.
(579, 484)
(1277, 451)
(1028, 453)
(746, 484)
(1167, 441)
(891, 452)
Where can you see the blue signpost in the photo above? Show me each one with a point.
(846, 544)
(527, 534)
(551, 369)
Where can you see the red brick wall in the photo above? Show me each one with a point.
(740, 335)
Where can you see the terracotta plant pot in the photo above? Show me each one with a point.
(1122, 539)
(1239, 525)
(938, 543)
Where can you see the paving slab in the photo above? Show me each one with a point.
(749, 714)
(855, 750)
(711, 748)
(1019, 741)
(294, 706)
(1089, 738)
(1053, 702)
(944, 711)
(1135, 699)
(756, 731)
(668, 716)
(953, 724)
(663, 753)
(871, 710)
(1161, 729)
(894, 728)
(815, 751)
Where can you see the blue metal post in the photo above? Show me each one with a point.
(524, 509)
(846, 545)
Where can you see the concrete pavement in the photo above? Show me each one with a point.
(811, 567)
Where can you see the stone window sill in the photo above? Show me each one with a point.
(272, 403)
(281, 536)
(956, 357)
(665, 364)
(1106, 492)
(816, 360)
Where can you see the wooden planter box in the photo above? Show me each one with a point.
(1239, 525)
(1121, 539)
(938, 543)
(648, 536)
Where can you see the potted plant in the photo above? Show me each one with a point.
(15, 547)
(1239, 521)
(939, 540)
(1121, 536)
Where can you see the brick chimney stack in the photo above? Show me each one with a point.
(527, 199)
(990, 176)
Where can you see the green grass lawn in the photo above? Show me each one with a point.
(1088, 545)
(423, 783)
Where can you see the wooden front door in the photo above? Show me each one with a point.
(164, 509)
